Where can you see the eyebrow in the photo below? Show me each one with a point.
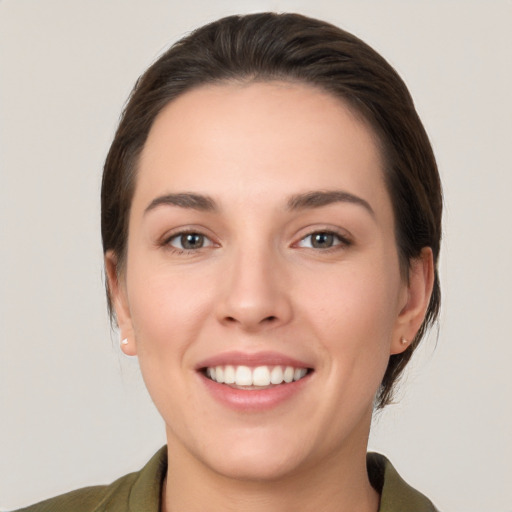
(319, 198)
(307, 200)
(184, 200)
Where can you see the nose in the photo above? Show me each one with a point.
(255, 292)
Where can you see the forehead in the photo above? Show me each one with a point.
(259, 137)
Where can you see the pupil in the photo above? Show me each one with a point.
(192, 241)
(322, 240)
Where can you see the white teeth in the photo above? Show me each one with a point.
(288, 374)
(298, 373)
(229, 375)
(243, 376)
(276, 375)
(260, 376)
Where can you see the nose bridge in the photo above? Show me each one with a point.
(255, 294)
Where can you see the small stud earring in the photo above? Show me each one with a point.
(124, 341)
(403, 341)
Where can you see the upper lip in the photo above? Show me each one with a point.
(237, 358)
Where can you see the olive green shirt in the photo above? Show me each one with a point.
(141, 491)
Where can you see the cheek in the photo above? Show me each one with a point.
(354, 318)
(167, 310)
(364, 302)
(167, 316)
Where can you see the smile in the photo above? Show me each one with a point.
(259, 377)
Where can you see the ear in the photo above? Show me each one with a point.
(418, 292)
(118, 298)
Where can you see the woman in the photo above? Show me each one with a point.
(271, 213)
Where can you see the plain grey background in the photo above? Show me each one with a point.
(73, 410)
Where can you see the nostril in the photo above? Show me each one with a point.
(265, 320)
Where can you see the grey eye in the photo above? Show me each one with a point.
(189, 241)
(321, 240)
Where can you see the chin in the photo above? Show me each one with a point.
(256, 465)
(252, 455)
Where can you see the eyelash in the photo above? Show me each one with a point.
(176, 236)
(339, 241)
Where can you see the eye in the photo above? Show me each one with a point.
(189, 241)
(322, 240)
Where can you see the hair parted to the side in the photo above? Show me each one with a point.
(291, 47)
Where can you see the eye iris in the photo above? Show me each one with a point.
(322, 240)
(192, 241)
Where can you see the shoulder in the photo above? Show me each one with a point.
(88, 499)
(396, 494)
(135, 491)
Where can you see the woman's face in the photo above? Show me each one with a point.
(261, 247)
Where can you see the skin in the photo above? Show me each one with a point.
(259, 284)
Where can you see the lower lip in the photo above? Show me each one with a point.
(254, 400)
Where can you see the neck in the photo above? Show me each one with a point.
(337, 484)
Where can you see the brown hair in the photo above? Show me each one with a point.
(269, 46)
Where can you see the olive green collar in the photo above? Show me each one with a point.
(396, 494)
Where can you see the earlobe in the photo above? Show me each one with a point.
(419, 290)
(119, 301)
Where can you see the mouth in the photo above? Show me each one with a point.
(254, 382)
(255, 378)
